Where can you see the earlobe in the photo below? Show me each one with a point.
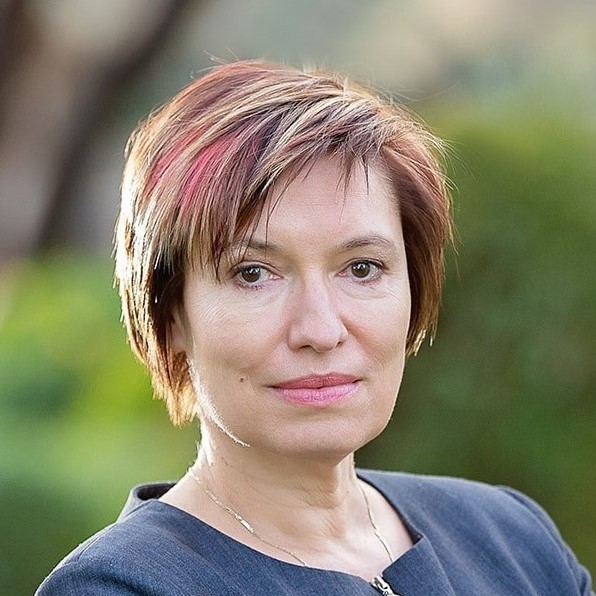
(177, 330)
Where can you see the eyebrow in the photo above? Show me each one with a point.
(375, 240)
(364, 241)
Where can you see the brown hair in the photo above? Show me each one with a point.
(198, 171)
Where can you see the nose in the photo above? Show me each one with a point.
(315, 318)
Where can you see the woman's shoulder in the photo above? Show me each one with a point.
(428, 488)
(471, 519)
(447, 497)
(132, 555)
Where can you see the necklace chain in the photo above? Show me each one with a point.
(243, 522)
(250, 529)
(375, 528)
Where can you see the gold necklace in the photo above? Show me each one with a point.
(249, 528)
(243, 522)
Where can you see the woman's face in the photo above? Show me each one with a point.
(298, 349)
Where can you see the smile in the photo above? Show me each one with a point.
(317, 390)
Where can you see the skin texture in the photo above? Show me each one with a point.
(322, 288)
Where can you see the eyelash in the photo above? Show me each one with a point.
(378, 269)
(237, 272)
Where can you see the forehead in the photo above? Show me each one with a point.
(323, 205)
(323, 198)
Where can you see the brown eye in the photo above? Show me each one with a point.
(361, 269)
(251, 274)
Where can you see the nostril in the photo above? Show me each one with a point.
(315, 315)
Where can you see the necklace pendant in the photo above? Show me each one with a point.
(382, 586)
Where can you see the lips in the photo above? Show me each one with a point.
(317, 381)
(317, 389)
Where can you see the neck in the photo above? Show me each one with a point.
(306, 509)
(299, 498)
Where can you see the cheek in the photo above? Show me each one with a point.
(386, 322)
(399, 319)
(385, 329)
(229, 342)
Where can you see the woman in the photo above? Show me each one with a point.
(279, 254)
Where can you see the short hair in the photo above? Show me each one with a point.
(199, 169)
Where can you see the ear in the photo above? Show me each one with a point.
(177, 329)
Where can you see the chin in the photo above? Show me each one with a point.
(328, 442)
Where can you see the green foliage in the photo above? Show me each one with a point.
(77, 421)
(503, 396)
(37, 525)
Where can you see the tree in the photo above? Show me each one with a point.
(61, 64)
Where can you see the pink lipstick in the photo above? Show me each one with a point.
(317, 390)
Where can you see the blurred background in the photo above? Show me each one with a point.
(505, 395)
